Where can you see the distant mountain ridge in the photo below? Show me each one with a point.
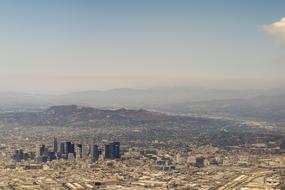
(72, 115)
(265, 105)
(263, 108)
(129, 98)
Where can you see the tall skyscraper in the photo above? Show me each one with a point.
(78, 151)
(55, 145)
(107, 151)
(200, 162)
(69, 148)
(52, 156)
(92, 143)
(94, 152)
(85, 151)
(112, 150)
(62, 148)
(72, 149)
(40, 150)
(19, 155)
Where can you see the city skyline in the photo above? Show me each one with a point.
(145, 94)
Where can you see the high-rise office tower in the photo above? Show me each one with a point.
(55, 145)
(85, 151)
(92, 142)
(112, 150)
(78, 152)
(62, 148)
(72, 149)
(116, 150)
(52, 156)
(26, 156)
(200, 162)
(19, 155)
(80, 146)
(40, 150)
(107, 151)
(67, 147)
(46, 151)
(94, 152)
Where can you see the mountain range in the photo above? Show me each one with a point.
(72, 115)
(268, 105)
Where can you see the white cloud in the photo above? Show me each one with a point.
(277, 30)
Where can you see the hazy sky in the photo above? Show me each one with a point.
(61, 46)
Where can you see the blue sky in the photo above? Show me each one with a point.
(60, 46)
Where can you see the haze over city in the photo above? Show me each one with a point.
(67, 46)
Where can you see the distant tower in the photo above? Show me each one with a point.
(92, 143)
(85, 151)
(46, 151)
(67, 147)
(112, 150)
(78, 152)
(52, 156)
(94, 152)
(62, 148)
(55, 145)
(40, 150)
(72, 148)
(19, 155)
(116, 150)
(107, 151)
(200, 162)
